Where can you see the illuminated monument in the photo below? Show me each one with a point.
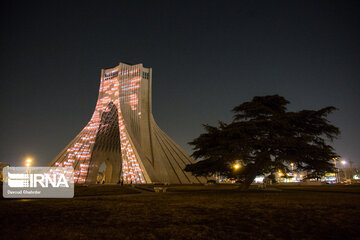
(122, 133)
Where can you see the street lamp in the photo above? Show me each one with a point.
(28, 162)
(236, 166)
(343, 162)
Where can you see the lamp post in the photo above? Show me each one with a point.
(343, 162)
(236, 166)
(336, 170)
(280, 174)
(28, 162)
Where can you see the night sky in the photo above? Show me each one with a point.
(207, 57)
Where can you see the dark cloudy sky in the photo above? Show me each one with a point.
(207, 57)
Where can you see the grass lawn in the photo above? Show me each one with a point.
(187, 212)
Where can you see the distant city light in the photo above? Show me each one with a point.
(237, 166)
(259, 179)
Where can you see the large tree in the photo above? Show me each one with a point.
(264, 137)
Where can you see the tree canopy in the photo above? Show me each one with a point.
(265, 137)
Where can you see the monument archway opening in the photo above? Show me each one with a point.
(106, 154)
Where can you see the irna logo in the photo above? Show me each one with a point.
(38, 182)
(18, 180)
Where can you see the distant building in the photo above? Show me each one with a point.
(2, 165)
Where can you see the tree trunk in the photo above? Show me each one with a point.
(250, 176)
(248, 180)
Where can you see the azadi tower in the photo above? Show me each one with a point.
(122, 133)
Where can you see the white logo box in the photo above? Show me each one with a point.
(38, 182)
